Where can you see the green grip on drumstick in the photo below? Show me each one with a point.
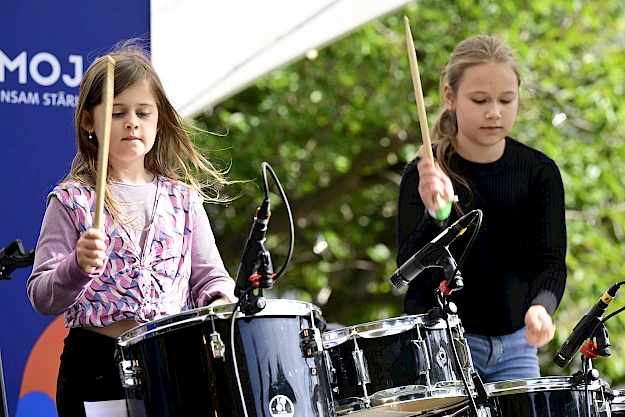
(443, 213)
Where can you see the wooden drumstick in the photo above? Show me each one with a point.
(423, 119)
(104, 136)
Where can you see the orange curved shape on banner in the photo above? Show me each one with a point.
(42, 367)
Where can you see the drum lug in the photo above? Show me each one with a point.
(361, 367)
(129, 373)
(602, 405)
(421, 350)
(463, 352)
(217, 346)
(330, 367)
(310, 343)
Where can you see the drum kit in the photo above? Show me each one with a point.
(278, 358)
(280, 363)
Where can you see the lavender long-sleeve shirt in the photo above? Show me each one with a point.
(57, 282)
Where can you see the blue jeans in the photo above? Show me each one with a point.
(503, 358)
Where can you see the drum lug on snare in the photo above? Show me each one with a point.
(129, 373)
(463, 352)
(310, 342)
(330, 367)
(423, 358)
(217, 346)
(361, 367)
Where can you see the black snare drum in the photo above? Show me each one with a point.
(538, 397)
(402, 366)
(183, 364)
(549, 397)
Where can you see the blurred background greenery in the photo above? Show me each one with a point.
(339, 126)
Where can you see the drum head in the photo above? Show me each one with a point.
(518, 386)
(370, 330)
(409, 408)
(274, 308)
(336, 337)
(386, 327)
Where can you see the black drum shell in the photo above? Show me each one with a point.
(394, 359)
(180, 376)
(541, 397)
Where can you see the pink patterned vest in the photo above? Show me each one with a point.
(141, 283)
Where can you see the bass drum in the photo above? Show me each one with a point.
(183, 364)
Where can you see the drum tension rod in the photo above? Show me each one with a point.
(218, 348)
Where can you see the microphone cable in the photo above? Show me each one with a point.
(585, 370)
(264, 167)
(478, 225)
(615, 312)
(463, 257)
(233, 350)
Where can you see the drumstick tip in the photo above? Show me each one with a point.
(110, 60)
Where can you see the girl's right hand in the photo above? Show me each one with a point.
(434, 182)
(91, 251)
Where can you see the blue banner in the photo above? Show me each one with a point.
(45, 47)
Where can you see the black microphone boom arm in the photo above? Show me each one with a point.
(14, 256)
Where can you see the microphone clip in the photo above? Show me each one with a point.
(451, 284)
(263, 278)
(589, 350)
(260, 278)
(453, 278)
(600, 346)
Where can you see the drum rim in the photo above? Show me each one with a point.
(546, 383)
(450, 389)
(379, 328)
(274, 308)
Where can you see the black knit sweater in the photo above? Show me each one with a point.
(518, 258)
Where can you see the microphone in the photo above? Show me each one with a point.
(433, 251)
(254, 252)
(584, 329)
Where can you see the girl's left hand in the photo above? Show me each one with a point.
(540, 329)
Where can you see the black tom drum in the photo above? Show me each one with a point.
(184, 363)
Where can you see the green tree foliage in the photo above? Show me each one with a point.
(339, 126)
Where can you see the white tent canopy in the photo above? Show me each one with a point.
(205, 51)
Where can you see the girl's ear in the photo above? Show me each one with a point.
(449, 97)
(86, 121)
